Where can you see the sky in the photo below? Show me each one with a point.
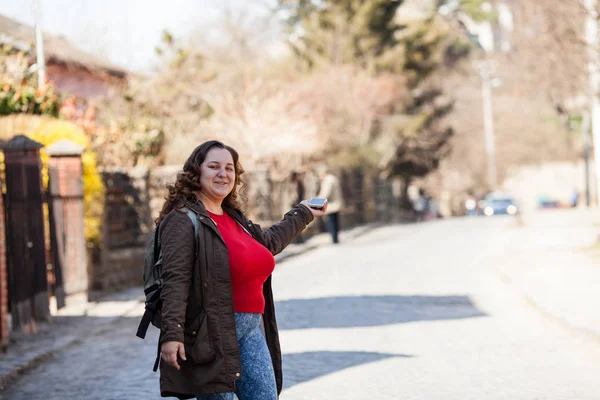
(124, 32)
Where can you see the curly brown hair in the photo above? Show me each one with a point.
(188, 181)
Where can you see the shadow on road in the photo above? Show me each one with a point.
(357, 311)
(303, 367)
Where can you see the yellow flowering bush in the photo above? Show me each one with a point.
(50, 131)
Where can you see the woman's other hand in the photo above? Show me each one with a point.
(315, 212)
(169, 352)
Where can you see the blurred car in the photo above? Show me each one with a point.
(544, 201)
(471, 206)
(499, 204)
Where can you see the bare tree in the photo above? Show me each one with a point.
(550, 49)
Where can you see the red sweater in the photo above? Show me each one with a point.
(250, 264)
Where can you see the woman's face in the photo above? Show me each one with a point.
(217, 174)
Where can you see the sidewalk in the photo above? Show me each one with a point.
(556, 268)
(562, 285)
(69, 326)
(74, 323)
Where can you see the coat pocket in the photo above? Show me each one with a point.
(196, 341)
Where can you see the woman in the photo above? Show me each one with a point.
(217, 286)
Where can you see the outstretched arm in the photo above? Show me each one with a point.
(278, 236)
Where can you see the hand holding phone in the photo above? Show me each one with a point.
(317, 203)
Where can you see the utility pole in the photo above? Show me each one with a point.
(39, 45)
(483, 68)
(591, 35)
(585, 131)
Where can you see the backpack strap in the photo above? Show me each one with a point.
(157, 361)
(149, 311)
(193, 216)
(156, 241)
(197, 233)
(151, 304)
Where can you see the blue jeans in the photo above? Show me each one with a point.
(333, 226)
(257, 381)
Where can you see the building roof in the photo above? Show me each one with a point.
(57, 49)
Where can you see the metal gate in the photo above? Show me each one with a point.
(27, 279)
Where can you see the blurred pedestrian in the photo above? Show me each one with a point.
(297, 179)
(420, 205)
(574, 198)
(331, 188)
(216, 290)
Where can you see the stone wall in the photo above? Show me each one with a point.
(135, 196)
(127, 223)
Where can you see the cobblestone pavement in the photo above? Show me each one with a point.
(429, 311)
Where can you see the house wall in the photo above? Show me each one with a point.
(78, 82)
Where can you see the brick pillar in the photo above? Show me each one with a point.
(3, 279)
(67, 220)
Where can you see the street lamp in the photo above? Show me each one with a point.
(483, 34)
(591, 33)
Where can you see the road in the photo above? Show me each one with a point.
(424, 311)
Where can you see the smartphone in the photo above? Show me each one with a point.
(317, 203)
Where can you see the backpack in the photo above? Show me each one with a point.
(153, 283)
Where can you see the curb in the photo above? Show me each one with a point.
(550, 315)
(324, 239)
(20, 369)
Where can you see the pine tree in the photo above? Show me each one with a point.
(367, 34)
(357, 32)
